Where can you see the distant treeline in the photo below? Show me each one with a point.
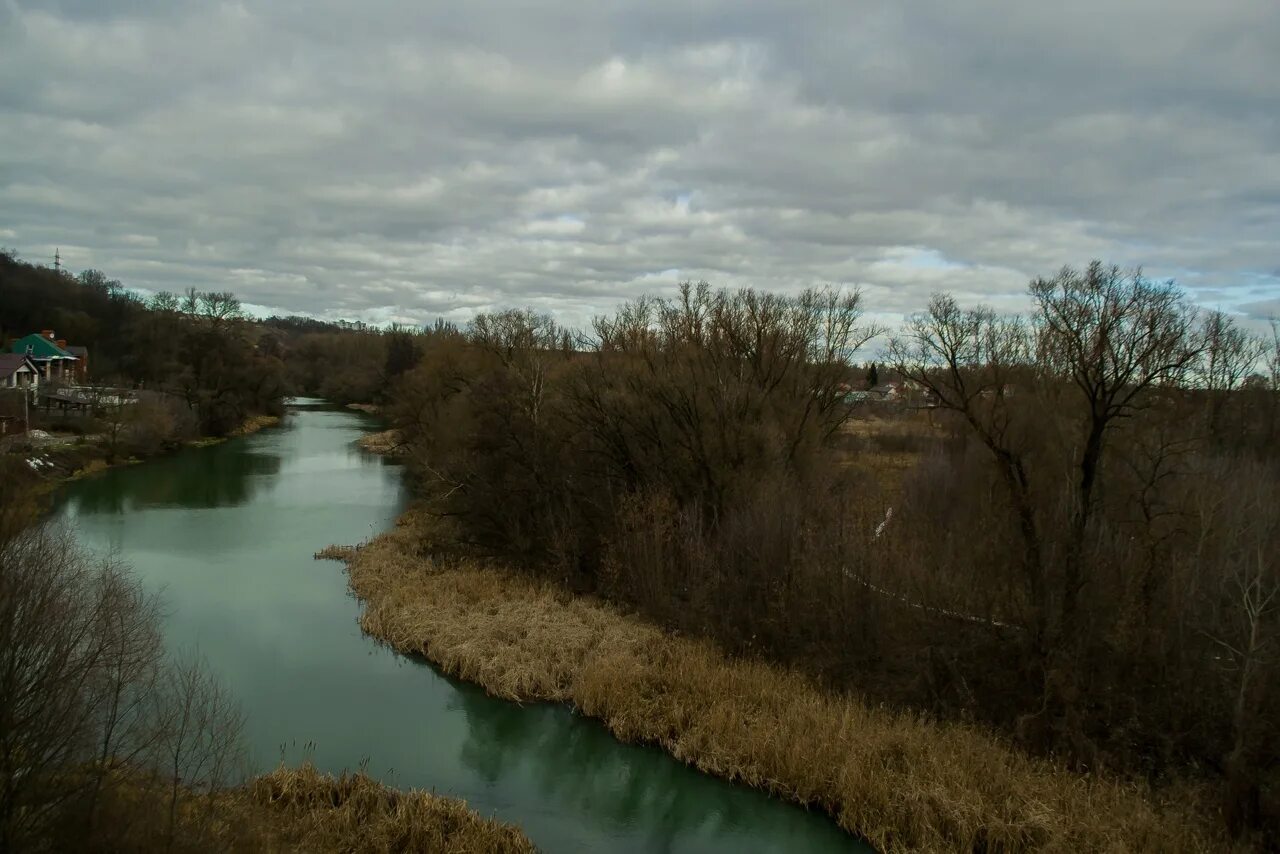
(346, 362)
(200, 346)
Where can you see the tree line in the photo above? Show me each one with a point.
(1075, 541)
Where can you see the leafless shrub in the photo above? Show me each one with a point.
(79, 649)
(199, 737)
(86, 698)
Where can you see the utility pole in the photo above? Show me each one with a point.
(57, 260)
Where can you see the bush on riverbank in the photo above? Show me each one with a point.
(897, 780)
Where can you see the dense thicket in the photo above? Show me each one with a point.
(1076, 541)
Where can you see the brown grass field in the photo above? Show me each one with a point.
(902, 782)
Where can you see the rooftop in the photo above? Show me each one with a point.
(41, 347)
(11, 362)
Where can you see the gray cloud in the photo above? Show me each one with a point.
(404, 160)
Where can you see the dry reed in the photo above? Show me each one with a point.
(387, 443)
(309, 811)
(289, 809)
(899, 781)
(254, 423)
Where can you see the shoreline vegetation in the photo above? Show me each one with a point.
(292, 809)
(900, 781)
(387, 443)
(306, 810)
(69, 461)
(253, 424)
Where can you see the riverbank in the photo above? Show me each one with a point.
(293, 809)
(310, 811)
(253, 424)
(387, 443)
(896, 780)
(59, 459)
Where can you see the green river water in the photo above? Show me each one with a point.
(227, 532)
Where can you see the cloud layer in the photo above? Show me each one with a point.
(406, 160)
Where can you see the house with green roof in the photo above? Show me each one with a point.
(48, 354)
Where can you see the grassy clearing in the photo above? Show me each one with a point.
(887, 448)
(902, 782)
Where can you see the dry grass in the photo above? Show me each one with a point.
(886, 448)
(901, 782)
(310, 811)
(388, 443)
(92, 467)
(254, 423)
(892, 423)
(290, 809)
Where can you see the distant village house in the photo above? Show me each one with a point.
(53, 359)
(18, 371)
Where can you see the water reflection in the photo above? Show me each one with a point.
(192, 480)
(618, 785)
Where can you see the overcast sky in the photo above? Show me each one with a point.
(408, 160)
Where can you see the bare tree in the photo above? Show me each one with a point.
(526, 344)
(1115, 337)
(1244, 624)
(200, 733)
(1099, 344)
(71, 642)
(1230, 354)
(969, 362)
(125, 720)
(166, 302)
(114, 410)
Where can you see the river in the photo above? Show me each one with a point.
(227, 532)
